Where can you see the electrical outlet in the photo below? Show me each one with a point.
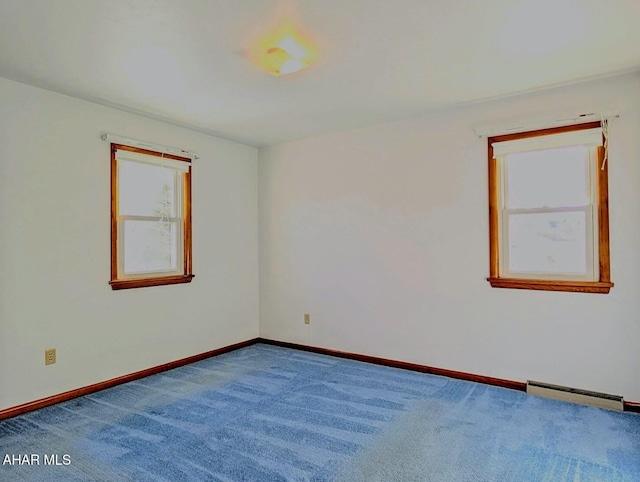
(307, 319)
(50, 356)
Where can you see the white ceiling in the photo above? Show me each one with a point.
(184, 60)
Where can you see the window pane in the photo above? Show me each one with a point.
(548, 243)
(548, 178)
(146, 190)
(150, 246)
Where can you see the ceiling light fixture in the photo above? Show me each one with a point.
(283, 53)
(286, 57)
(286, 49)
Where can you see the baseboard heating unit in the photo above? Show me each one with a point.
(575, 395)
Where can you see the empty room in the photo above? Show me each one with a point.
(304, 240)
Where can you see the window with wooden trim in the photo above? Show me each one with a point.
(150, 218)
(548, 210)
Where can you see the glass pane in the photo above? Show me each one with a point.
(548, 178)
(548, 243)
(150, 246)
(146, 190)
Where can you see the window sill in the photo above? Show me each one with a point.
(602, 287)
(145, 282)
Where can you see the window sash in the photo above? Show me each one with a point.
(590, 237)
(177, 187)
(588, 162)
(179, 254)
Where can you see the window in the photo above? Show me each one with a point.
(548, 210)
(150, 218)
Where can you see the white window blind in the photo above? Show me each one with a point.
(123, 155)
(125, 141)
(587, 137)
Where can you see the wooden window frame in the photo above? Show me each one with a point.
(603, 284)
(116, 282)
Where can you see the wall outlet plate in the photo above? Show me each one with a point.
(50, 356)
(307, 319)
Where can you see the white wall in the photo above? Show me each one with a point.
(381, 234)
(55, 249)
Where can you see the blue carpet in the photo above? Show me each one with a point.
(265, 413)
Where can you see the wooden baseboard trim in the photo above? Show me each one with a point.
(632, 407)
(78, 392)
(499, 382)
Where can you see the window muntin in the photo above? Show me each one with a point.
(548, 205)
(151, 218)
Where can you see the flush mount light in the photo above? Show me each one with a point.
(286, 58)
(284, 52)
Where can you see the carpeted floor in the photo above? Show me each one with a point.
(265, 413)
